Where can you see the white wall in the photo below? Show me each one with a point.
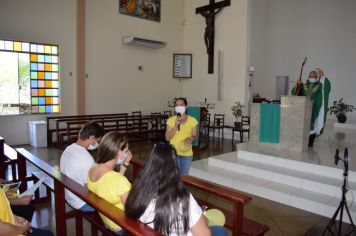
(231, 37)
(285, 31)
(114, 83)
(45, 21)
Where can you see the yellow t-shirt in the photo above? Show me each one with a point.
(109, 187)
(6, 214)
(185, 131)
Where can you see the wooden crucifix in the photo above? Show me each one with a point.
(209, 12)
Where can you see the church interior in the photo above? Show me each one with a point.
(124, 63)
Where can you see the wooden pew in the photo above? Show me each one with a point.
(60, 182)
(235, 220)
(135, 127)
(59, 119)
(8, 157)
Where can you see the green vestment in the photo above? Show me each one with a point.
(318, 93)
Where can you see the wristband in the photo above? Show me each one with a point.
(126, 165)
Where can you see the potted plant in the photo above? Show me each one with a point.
(339, 109)
(237, 112)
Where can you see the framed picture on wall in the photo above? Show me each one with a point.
(182, 65)
(149, 10)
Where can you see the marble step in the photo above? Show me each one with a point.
(291, 177)
(304, 199)
(286, 161)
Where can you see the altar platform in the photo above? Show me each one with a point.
(306, 180)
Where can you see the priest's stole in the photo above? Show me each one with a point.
(270, 119)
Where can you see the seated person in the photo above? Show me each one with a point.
(11, 224)
(159, 198)
(76, 161)
(107, 183)
(21, 206)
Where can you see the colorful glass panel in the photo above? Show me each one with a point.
(25, 47)
(48, 49)
(44, 73)
(34, 101)
(48, 67)
(48, 100)
(33, 48)
(54, 67)
(48, 75)
(41, 92)
(41, 109)
(33, 75)
(40, 66)
(48, 59)
(40, 58)
(9, 45)
(40, 48)
(41, 84)
(17, 46)
(34, 92)
(34, 109)
(33, 58)
(40, 75)
(54, 75)
(56, 109)
(48, 109)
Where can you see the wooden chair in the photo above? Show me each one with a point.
(218, 124)
(205, 125)
(245, 128)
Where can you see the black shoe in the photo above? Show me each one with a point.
(311, 140)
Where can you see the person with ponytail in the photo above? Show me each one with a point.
(104, 181)
(159, 198)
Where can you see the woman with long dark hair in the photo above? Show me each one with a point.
(107, 183)
(159, 198)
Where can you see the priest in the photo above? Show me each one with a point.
(317, 88)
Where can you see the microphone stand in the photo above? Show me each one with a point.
(343, 202)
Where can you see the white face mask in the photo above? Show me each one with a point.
(92, 147)
(121, 161)
(180, 109)
(312, 80)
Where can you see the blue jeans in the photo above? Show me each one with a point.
(218, 231)
(183, 163)
(86, 208)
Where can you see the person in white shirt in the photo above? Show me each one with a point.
(159, 198)
(76, 161)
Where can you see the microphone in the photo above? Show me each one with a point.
(178, 117)
(337, 158)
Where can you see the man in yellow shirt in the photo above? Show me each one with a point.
(181, 132)
(11, 224)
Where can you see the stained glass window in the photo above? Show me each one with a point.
(29, 78)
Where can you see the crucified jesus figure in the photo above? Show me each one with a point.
(209, 29)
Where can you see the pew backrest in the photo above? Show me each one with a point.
(62, 181)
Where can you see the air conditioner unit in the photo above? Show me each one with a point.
(136, 41)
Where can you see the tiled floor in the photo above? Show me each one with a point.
(282, 219)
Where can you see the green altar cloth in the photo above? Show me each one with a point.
(270, 117)
(195, 112)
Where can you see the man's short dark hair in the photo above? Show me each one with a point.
(184, 100)
(91, 128)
